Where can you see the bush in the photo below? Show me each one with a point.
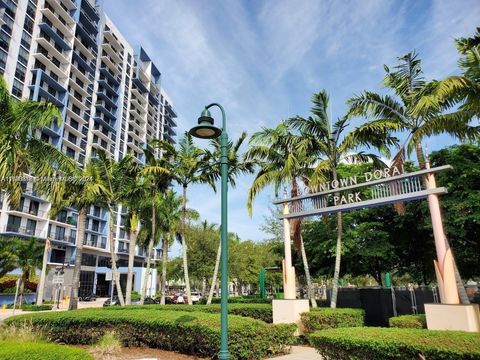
(186, 332)
(409, 321)
(239, 300)
(18, 350)
(9, 286)
(391, 343)
(327, 318)
(135, 295)
(256, 311)
(44, 307)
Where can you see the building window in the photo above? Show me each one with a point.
(31, 227)
(59, 233)
(57, 256)
(13, 223)
(17, 88)
(89, 260)
(20, 72)
(23, 56)
(26, 40)
(28, 25)
(70, 152)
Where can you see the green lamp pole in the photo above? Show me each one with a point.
(206, 130)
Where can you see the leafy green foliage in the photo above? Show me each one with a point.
(256, 311)
(389, 343)
(327, 318)
(409, 321)
(186, 332)
(19, 350)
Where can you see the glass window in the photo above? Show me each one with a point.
(20, 72)
(17, 88)
(22, 56)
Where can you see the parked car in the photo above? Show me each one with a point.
(149, 301)
(196, 296)
(91, 297)
(115, 301)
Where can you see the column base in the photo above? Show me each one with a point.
(453, 317)
(288, 312)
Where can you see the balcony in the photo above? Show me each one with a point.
(23, 231)
(77, 85)
(67, 239)
(76, 115)
(110, 75)
(114, 68)
(86, 51)
(114, 41)
(108, 110)
(55, 34)
(109, 100)
(89, 23)
(109, 85)
(53, 48)
(141, 86)
(105, 121)
(47, 60)
(77, 101)
(82, 60)
(114, 54)
(57, 20)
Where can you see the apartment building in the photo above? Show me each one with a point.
(69, 52)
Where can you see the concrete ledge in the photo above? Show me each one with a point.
(288, 312)
(453, 317)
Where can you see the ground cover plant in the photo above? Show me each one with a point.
(394, 343)
(186, 332)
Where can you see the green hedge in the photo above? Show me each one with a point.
(409, 321)
(395, 344)
(239, 300)
(256, 311)
(327, 318)
(19, 350)
(44, 307)
(186, 332)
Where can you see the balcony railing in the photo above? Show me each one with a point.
(10, 228)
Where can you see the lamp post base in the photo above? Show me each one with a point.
(453, 317)
(223, 355)
(289, 311)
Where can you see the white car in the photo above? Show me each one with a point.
(196, 296)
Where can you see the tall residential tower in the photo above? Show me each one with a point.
(71, 54)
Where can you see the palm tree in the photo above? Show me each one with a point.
(20, 151)
(420, 107)
(114, 178)
(8, 255)
(330, 145)
(237, 165)
(30, 254)
(282, 162)
(157, 179)
(189, 165)
(417, 108)
(84, 189)
(170, 215)
(465, 89)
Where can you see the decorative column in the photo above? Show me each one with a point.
(289, 290)
(444, 265)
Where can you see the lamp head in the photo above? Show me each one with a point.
(205, 128)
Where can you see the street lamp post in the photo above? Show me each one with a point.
(207, 130)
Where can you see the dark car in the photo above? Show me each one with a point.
(150, 301)
(91, 297)
(114, 301)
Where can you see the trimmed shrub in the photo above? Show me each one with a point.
(409, 321)
(240, 300)
(44, 307)
(7, 286)
(327, 318)
(186, 332)
(256, 311)
(19, 350)
(395, 344)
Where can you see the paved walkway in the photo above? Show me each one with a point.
(300, 353)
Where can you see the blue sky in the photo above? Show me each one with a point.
(262, 60)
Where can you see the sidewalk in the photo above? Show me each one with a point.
(300, 353)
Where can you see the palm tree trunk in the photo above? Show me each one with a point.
(21, 290)
(43, 274)
(113, 255)
(420, 155)
(215, 274)
(131, 259)
(458, 278)
(82, 217)
(338, 256)
(149, 254)
(184, 246)
(164, 268)
(311, 295)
